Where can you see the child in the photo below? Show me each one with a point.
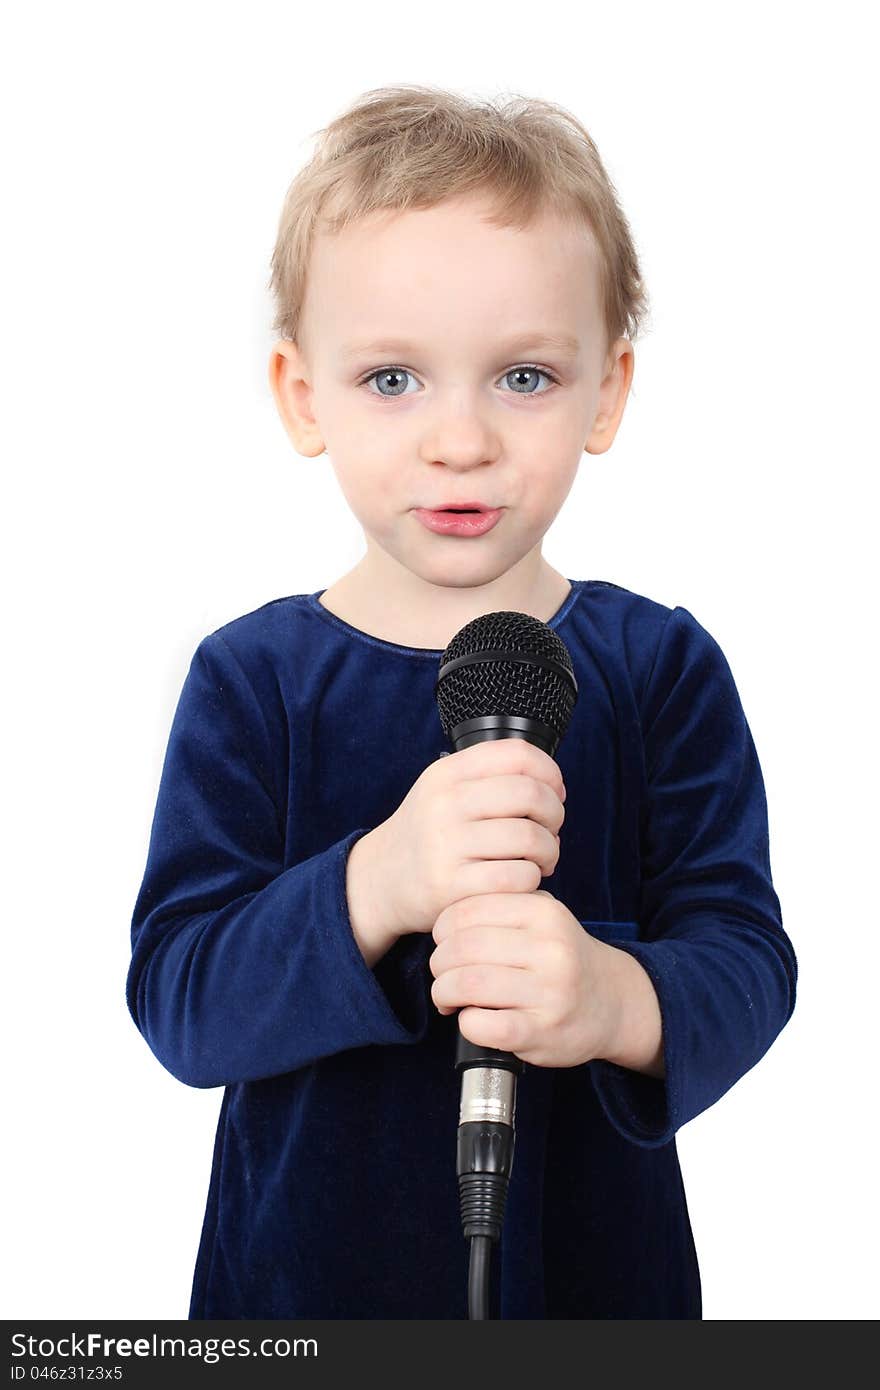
(330, 892)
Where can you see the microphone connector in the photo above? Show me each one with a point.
(485, 1148)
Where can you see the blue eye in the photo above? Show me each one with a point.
(533, 372)
(383, 372)
(396, 374)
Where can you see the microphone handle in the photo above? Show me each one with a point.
(485, 729)
(488, 1075)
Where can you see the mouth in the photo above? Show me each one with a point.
(458, 519)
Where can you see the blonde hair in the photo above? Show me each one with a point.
(415, 146)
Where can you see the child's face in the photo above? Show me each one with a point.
(454, 306)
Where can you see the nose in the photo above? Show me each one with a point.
(459, 434)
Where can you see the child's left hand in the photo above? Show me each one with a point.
(528, 978)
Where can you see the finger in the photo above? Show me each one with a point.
(483, 910)
(486, 986)
(507, 1029)
(512, 837)
(512, 946)
(507, 755)
(483, 878)
(515, 794)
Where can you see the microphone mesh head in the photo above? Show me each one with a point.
(506, 686)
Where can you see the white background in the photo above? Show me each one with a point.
(151, 495)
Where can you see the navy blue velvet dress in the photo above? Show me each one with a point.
(333, 1191)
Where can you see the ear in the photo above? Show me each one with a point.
(612, 396)
(289, 379)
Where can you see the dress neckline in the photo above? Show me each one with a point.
(424, 652)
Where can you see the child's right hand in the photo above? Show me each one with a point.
(482, 820)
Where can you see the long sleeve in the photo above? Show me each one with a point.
(242, 969)
(711, 935)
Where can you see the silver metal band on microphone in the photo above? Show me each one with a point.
(488, 1093)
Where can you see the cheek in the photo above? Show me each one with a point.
(563, 482)
(548, 489)
(363, 491)
(373, 492)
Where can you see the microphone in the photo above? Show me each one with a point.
(503, 675)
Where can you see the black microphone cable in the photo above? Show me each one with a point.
(503, 675)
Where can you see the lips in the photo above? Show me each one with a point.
(446, 521)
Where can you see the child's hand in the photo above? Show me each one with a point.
(482, 820)
(528, 978)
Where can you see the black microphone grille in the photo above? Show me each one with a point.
(506, 663)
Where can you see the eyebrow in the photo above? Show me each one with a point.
(560, 342)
